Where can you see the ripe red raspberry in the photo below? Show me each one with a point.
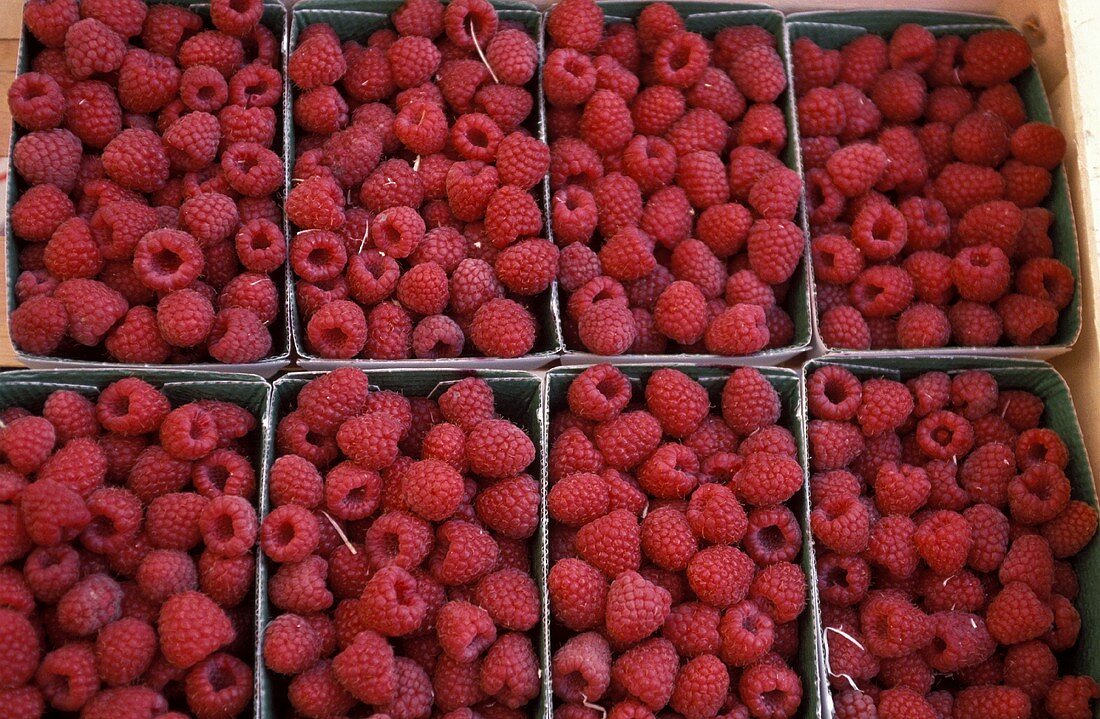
(582, 667)
(39, 211)
(1027, 320)
(766, 478)
(513, 56)
(511, 214)
(511, 598)
(36, 101)
(89, 605)
(680, 313)
(509, 507)
(502, 328)
(315, 691)
(466, 553)
(635, 608)
(577, 499)
(1070, 697)
(578, 594)
(994, 56)
(124, 650)
(923, 325)
(813, 65)
(68, 677)
(770, 683)
(702, 175)
(39, 324)
(252, 169)
(1071, 530)
(48, 157)
(576, 24)
(701, 687)
(678, 402)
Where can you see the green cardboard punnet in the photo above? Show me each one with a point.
(354, 20)
(1041, 379)
(787, 384)
(518, 397)
(274, 18)
(707, 18)
(834, 29)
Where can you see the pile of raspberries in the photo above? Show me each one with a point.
(148, 224)
(414, 187)
(924, 180)
(672, 209)
(401, 529)
(945, 530)
(126, 535)
(674, 585)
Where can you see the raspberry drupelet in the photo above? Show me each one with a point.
(145, 141)
(942, 530)
(667, 582)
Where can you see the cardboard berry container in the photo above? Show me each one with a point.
(787, 383)
(274, 18)
(519, 397)
(354, 20)
(707, 18)
(834, 29)
(29, 388)
(1041, 379)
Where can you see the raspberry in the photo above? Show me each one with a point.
(67, 676)
(124, 650)
(203, 88)
(301, 587)
(315, 204)
(680, 313)
(749, 402)
(576, 24)
(465, 630)
(578, 499)
(775, 248)
(48, 157)
(251, 169)
(578, 594)
(702, 176)
(315, 691)
(464, 553)
(582, 668)
(510, 215)
(39, 211)
(498, 449)
(172, 520)
(510, 671)
(72, 252)
(611, 543)
(667, 539)
(770, 686)
(767, 478)
(701, 687)
(1070, 697)
(635, 608)
(36, 101)
(467, 19)
(39, 324)
(163, 573)
(513, 56)
(821, 113)
(720, 575)
(842, 523)
(502, 328)
(994, 56)
(291, 644)
(93, 47)
(1070, 530)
